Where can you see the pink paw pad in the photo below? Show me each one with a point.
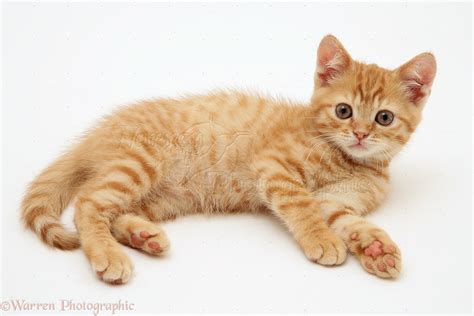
(354, 236)
(369, 266)
(390, 262)
(374, 250)
(154, 245)
(144, 234)
(136, 241)
(382, 267)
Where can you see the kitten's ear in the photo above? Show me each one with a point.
(417, 76)
(333, 60)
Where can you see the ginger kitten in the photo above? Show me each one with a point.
(319, 167)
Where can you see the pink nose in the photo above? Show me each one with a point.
(360, 135)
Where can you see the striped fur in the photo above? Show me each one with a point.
(236, 152)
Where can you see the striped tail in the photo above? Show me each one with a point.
(46, 198)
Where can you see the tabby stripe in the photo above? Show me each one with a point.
(151, 173)
(400, 139)
(152, 152)
(98, 206)
(350, 209)
(59, 245)
(279, 161)
(144, 142)
(284, 178)
(30, 216)
(129, 172)
(116, 186)
(46, 228)
(282, 192)
(338, 161)
(334, 216)
(262, 170)
(295, 204)
(282, 149)
(377, 171)
(409, 126)
(95, 204)
(335, 125)
(376, 93)
(359, 90)
(315, 158)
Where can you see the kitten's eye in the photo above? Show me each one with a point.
(343, 111)
(384, 117)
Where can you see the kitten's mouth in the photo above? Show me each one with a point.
(358, 146)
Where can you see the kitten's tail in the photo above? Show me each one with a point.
(46, 198)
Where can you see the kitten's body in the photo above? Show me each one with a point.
(232, 152)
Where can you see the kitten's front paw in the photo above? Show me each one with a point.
(111, 264)
(325, 248)
(377, 253)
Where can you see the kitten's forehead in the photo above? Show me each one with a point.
(370, 85)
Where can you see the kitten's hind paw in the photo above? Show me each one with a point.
(377, 253)
(153, 241)
(139, 233)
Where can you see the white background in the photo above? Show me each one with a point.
(65, 65)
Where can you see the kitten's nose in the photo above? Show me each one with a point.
(361, 134)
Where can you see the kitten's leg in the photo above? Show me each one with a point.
(111, 193)
(342, 205)
(139, 233)
(93, 218)
(296, 207)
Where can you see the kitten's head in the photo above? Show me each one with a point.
(367, 111)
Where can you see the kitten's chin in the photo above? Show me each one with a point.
(368, 154)
(361, 152)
